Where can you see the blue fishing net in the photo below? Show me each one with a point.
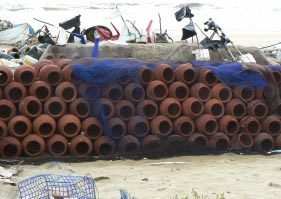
(233, 73)
(106, 71)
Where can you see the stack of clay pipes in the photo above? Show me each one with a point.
(46, 109)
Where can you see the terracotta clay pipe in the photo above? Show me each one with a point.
(186, 73)
(6, 76)
(221, 92)
(165, 73)
(263, 142)
(138, 126)
(33, 145)
(128, 144)
(147, 109)
(25, 75)
(80, 145)
(30, 107)
(206, 124)
(69, 125)
(19, 126)
(157, 90)
(57, 145)
(104, 146)
(250, 125)
(41, 90)
(10, 147)
(170, 107)
(192, 107)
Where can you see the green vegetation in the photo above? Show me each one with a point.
(195, 195)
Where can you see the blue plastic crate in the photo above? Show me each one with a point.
(48, 186)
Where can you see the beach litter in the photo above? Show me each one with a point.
(7, 173)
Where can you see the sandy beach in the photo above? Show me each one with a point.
(234, 176)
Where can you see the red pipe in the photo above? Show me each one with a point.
(184, 126)
(103, 108)
(30, 107)
(161, 126)
(219, 141)
(271, 125)
(242, 141)
(244, 92)
(179, 90)
(236, 108)
(157, 90)
(206, 124)
(277, 76)
(51, 73)
(64, 62)
(55, 107)
(10, 147)
(174, 143)
(214, 107)
(147, 108)
(80, 145)
(198, 139)
(92, 128)
(89, 91)
(192, 107)
(66, 91)
(6, 75)
(80, 108)
(33, 145)
(68, 76)
(3, 129)
(69, 125)
(104, 146)
(150, 143)
(263, 142)
(170, 107)
(208, 77)
(277, 142)
(251, 125)
(128, 144)
(165, 73)
(113, 92)
(221, 92)
(116, 128)
(134, 92)
(200, 91)
(125, 110)
(7, 110)
(257, 108)
(186, 73)
(229, 125)
(260, 93)
(138, 126)
(25, 75)
(42, 62)
(19, 126)
(145, 75)
(44, 125)
(57, 145)
(15, 92)
(41, 90)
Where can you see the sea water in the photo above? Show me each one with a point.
(249, 16)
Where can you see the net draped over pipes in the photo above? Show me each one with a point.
(103, 107)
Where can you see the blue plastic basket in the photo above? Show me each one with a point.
(48, 186)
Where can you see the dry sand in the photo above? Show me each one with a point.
(235, 176)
